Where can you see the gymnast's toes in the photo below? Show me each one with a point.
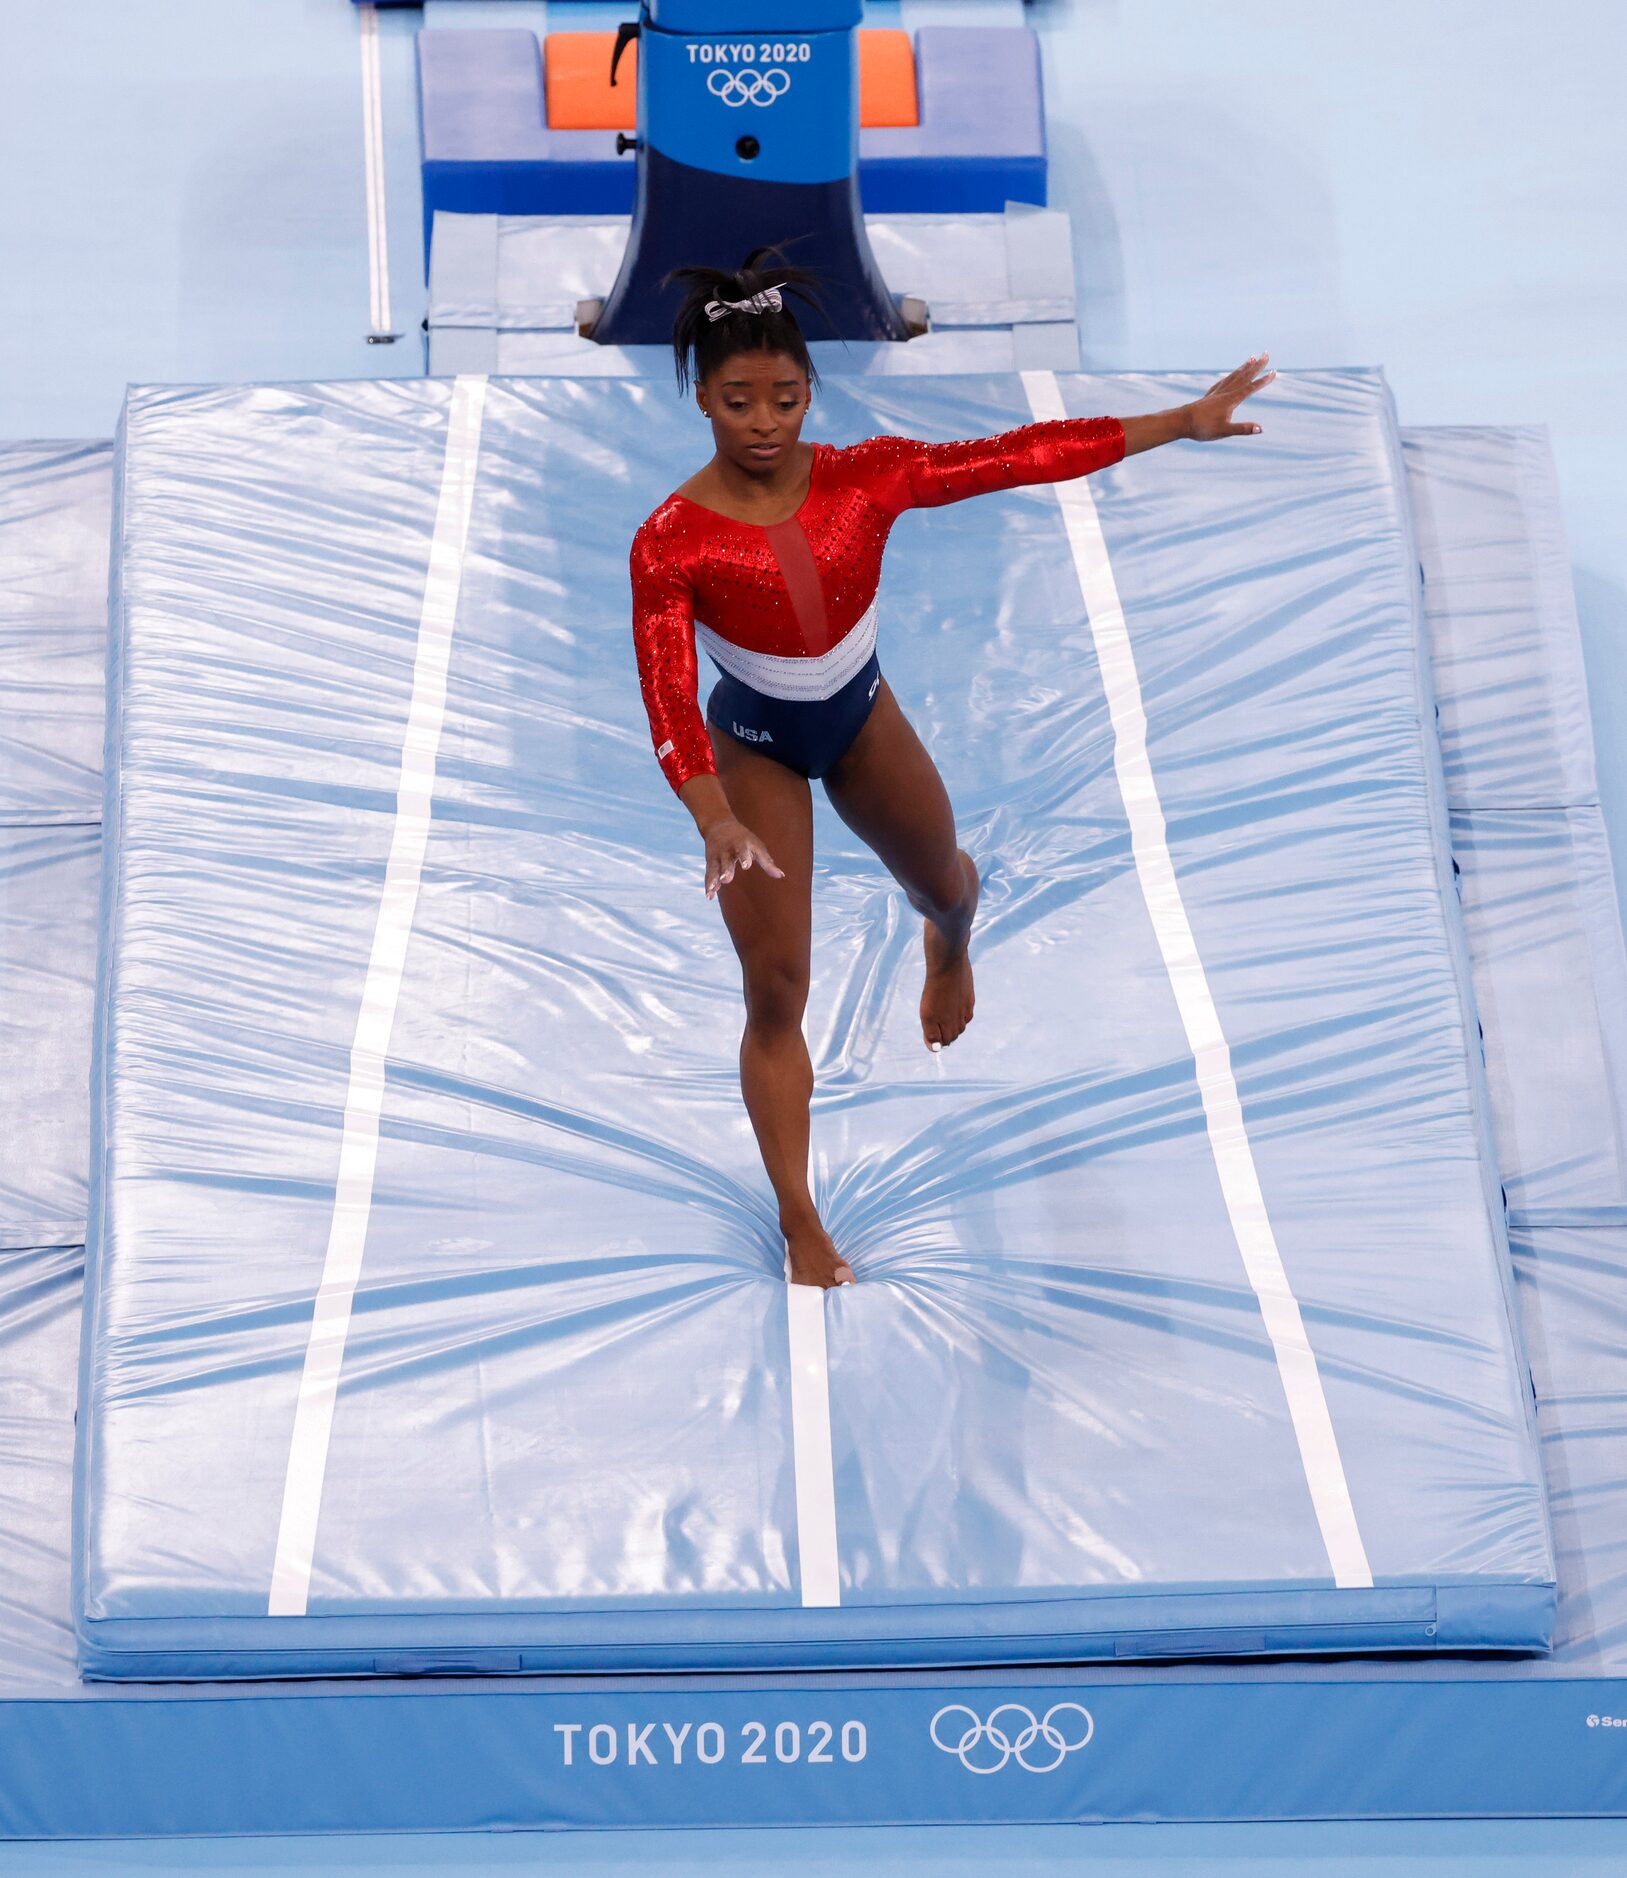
(947, 1001)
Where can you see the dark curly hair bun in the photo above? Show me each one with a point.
(701, 343)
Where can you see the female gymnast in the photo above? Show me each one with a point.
(771, 554)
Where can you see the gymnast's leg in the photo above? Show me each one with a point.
(887, 789)
(770, 922)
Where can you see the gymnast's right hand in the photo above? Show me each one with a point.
(731, 844)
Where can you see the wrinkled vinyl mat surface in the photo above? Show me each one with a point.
(53, 613)
(436, 1314)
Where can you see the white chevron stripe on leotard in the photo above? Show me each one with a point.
(806, 679)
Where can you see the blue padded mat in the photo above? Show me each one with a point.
(1152, 1353)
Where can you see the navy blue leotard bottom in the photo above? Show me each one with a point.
(808, 735)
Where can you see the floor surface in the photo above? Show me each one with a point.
(1438, 189)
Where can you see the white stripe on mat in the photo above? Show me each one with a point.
(1222, 1106)
(811, 1462)
(378, 237)
(364, 1092)
(810, 1442)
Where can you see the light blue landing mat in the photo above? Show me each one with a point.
(1527, 831)
(1184, 1324)
(54, 501)
(54, 507)
(1444, 1736)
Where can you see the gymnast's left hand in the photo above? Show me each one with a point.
(1211, 415)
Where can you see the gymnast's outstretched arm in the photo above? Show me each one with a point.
(911, 475)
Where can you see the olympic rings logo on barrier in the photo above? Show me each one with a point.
(984, 1747)
(749, 86)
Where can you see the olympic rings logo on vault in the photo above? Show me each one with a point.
(1012, 1733)
(749, 86)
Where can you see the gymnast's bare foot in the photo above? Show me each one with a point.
(813, 1256)
(946, 1003)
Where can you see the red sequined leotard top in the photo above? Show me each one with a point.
(789, 609)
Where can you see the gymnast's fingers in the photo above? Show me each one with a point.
(1233, 381)
(1244, 380)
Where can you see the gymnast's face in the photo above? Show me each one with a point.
(756, 401)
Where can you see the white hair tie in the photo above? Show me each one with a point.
(766, 301)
